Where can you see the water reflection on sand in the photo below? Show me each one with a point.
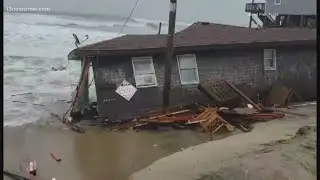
(96, 155)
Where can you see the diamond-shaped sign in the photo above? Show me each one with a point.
(126, 90)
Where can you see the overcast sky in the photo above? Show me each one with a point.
(223, 11)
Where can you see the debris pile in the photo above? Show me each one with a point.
(224, 114)
(209, 119)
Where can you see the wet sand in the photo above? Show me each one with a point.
(95, 155)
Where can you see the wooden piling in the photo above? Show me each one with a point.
(169, 54)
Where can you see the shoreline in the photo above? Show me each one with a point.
(100, 153)
(97, 154)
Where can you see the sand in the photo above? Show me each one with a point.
(272, 151)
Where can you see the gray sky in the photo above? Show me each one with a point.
(223, 11)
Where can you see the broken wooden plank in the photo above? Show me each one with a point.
(287, 112)
(21, 94)
(256, 106)
(168, 114)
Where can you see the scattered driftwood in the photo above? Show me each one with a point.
(67, 101)
(29, 103)
(20, 94)
(60, 68)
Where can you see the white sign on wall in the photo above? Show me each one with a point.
(126, 90)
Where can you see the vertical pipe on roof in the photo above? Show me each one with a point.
(250, 21)
(159, 31)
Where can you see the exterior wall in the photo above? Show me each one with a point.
(296, 68)
(292, 7)
(109, 74)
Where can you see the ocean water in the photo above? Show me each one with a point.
(34, 43)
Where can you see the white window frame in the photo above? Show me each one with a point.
(144, 58)
(274, 58)
(196, 68)
(277, 3)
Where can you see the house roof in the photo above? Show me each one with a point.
(200, 36)
(217, 34)
(129, 42)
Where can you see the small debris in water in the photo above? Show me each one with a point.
(55, 157)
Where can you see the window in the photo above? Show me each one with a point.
(277, 2)
(269, 59)
(144, 73)
(188, 69)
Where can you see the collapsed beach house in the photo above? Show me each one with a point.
(129, 70)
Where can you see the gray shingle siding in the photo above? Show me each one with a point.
(292, 7)
(296, 67)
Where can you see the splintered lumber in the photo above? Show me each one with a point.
(256, 106)
(157, 117)
(170, 114)
(140, 125)
(211, 121)
(171, 119)
(264, 116)
(287, 112)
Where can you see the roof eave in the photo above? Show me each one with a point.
(77, 54)
(245, 45)
(73, 55)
